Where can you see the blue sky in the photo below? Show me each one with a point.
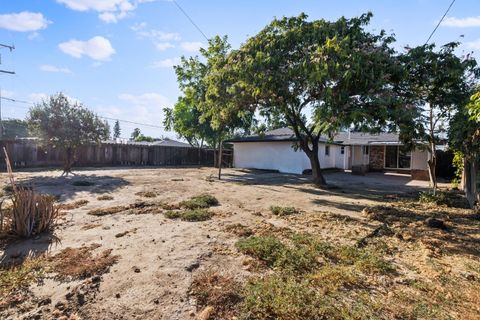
(116, 56)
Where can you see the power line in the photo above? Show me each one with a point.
(439, 22)
(103, 117)
(190, 19)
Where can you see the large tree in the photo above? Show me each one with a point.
(438, 83)
(66, 125)
(195, 116)
(14, 128)
(320, 76)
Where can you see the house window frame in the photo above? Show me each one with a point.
(327, 150)
(398, 159)
(365, 150)
(342, 150)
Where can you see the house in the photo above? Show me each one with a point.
(359, 152)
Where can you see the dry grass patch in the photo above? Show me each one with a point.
(73, 205)
(89, 226)
(16, 279)
(283, 211)
(146, 194)
(78, 263)
(239, 230)
(105, 197)
(218, 292)
(106, 211)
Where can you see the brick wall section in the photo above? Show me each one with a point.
(376, 157)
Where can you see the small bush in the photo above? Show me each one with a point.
(196, 215)
(265, 248)
(82, 183)
(105, 197)
(170, 214)
(330, 278)
(439, 198)
(283, 211)
(200, 202)
(276, 297)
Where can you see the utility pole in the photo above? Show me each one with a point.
(11, 48)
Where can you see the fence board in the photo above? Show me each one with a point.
(27, 154)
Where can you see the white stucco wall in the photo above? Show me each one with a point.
(419, 160)
(280, 156)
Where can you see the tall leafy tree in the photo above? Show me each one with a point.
(195, 116)
(319, 76)
(66, 125)
(116, 130)
(439, 83)
(14, 128)
(135, 134)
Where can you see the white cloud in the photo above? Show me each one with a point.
(475, 45)
(24, 21)
(158, 35)
(166, 63)
(8, 94)
(50, 68)
(110, 11)
(461, 22)
(162, 46)
(191, 46)
(98, 48)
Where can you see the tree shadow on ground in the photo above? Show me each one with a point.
(15, 250)
(458, 231)
(66, 188)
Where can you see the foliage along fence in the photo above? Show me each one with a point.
(28, 154)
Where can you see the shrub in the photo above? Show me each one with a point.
(428, 197)
(276, 297)
(199, 202)
(196, 215)
(170, 214)
(364, 260)
(283, 211)
(82, 183)
(265, 248)
(32, 213)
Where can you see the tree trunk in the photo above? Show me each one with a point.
(470, 181)
(312, 155)
(432, 164)
(220, 154)
(69, 159)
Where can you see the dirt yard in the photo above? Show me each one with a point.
(140, 264)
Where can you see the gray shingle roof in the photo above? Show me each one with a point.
(352, 138)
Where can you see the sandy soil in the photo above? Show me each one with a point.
(158, 257)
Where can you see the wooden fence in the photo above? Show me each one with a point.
(28, 154)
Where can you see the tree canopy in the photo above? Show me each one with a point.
(66, 125)
(318, 76)
(117, 130)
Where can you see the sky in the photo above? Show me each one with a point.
(117, 56)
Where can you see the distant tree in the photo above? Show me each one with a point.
(142, 138)
(438, 84)
(14, 128)
(317, 76)
(136, 132)
(116, 130)
(66, 125)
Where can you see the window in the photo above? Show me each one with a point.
(365, 150)
(342, 150)
(397, 157)
(327, 150)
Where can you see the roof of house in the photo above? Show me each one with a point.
(345, 138)
(164, 142)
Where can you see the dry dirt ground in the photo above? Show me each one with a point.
(156, 258)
